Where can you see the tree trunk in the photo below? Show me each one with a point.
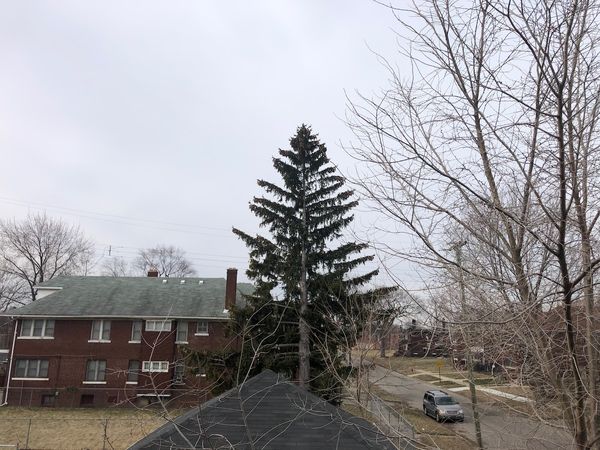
(382, 344)
(304, 330)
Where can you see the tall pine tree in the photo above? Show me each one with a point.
(303, 264)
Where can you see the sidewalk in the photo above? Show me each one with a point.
(465, 386)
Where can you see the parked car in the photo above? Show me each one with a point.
(441, 406)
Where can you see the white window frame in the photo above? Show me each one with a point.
(182, 332)
(155, 366)
(28, 365)
(158, 325)
(201, 332)
(135, 373)
(102, 329)
(28, 333)
(141, 329)
(179, 373)
(96, 372)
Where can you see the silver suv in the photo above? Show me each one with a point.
(439, 405)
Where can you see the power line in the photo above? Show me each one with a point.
(123, 220)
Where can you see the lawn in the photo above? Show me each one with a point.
(410, 366)
(46, 428)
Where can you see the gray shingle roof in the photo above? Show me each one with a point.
(132, 297)
(272, 413)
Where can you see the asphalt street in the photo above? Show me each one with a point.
(501, 429)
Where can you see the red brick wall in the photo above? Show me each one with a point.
(70, 350)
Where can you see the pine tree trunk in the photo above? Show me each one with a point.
(304, 342)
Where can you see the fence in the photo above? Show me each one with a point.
(71, 432)
(392, 422)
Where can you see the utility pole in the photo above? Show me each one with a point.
(458, 248)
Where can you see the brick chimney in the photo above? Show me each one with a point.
(153, 272)
(230, 288)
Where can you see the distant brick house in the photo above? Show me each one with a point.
(98, 341)
(418, 340)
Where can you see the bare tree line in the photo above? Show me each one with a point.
(492, 144)
(39, 248)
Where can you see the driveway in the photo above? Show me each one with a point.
(500, 429)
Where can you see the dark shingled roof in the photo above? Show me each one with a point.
(272, 413)
(140, 297)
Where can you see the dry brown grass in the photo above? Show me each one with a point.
(427, 377)
(448, 384)
(410, 366)
(76, 428)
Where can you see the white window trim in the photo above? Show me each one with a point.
(201, 333)
(29, 379)
(136, 341)
(165, 323)
(27, 367)
(99, 341)
(131, 382)
(97, 361)
(147, 367)
(35, 337)
(31, 336)
(182, 325)
(102, 323)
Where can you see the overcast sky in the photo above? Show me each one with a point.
(149, 122)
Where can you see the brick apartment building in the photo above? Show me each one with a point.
(99, 341)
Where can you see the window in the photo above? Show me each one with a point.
(95, 371)
(133, 371)
(178, 373)
(37, 328)
(48, 400)
(155, 366)
(182, 332)
(3, 356)
(200, 371)
(31, 368)
(202, 328)
(100, 331)
(136, 331)
(87, 400)
(158, 325)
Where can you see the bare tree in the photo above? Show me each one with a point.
(12, 291)
(169, 261)
(39, 248)
(493, 142)
(115, 266)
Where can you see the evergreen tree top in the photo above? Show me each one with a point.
(309, 210)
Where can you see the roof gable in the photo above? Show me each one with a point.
(267, 412)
